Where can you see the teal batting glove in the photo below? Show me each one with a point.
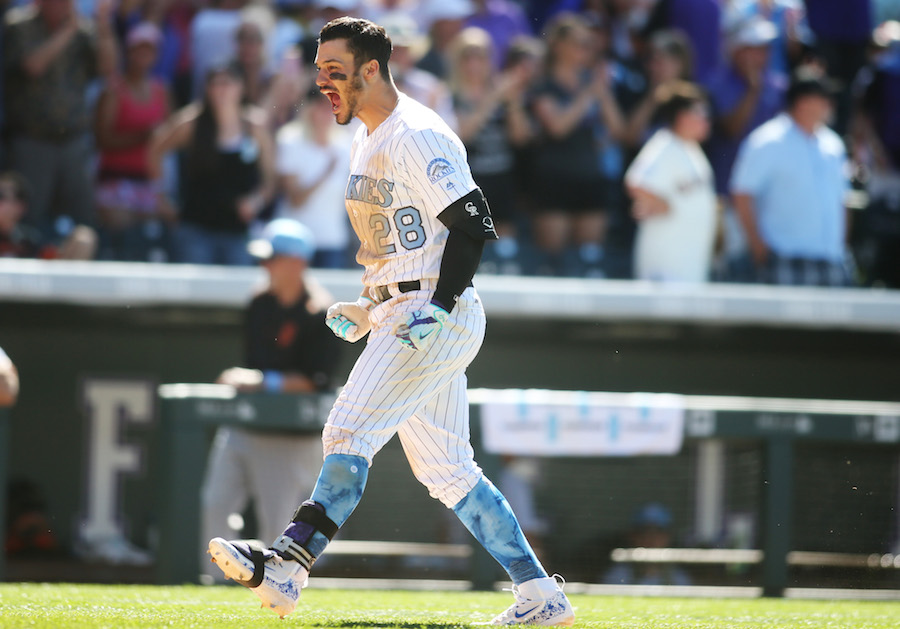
(419, 329)
(350, 320)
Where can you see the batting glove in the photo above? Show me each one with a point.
(350, 320)
(418, 330)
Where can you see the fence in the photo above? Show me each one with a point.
(782, 427)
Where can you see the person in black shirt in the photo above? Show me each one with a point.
(287, 350)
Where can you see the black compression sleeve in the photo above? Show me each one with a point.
(462, 254)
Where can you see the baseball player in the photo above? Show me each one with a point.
(422, 223)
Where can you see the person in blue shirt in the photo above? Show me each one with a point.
(789, 185)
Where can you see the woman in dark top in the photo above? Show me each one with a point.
(573, 101)
(226, 175)
(490, 110)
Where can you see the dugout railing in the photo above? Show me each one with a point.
(190, 412)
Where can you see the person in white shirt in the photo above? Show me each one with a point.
(673, 195)
(313, 164)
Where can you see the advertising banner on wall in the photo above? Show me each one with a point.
(579, 423)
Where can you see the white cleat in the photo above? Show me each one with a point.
(276, 581)
(538, 602)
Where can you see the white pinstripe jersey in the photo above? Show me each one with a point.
(402, 176)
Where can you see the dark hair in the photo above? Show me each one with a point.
(19, 184)
(365, 39)
(808, 81)
(561, 28)
(203, 153)
(521, 48)
(674, 43)
(675, 97)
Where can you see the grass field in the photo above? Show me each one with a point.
(63, 606)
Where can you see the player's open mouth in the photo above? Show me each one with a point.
(335, 99)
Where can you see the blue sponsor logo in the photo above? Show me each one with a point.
(438, 168)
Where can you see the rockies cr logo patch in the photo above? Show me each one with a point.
(438, 168)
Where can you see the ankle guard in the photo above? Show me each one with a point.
(309, 518)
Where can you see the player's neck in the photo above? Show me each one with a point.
(381, 104)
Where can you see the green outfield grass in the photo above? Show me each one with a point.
(62, 606)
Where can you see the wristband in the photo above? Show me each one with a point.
(273, 381)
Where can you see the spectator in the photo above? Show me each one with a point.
(51, 56)
(174, 63)
(700, 22)
(29, 525)
(669, 58)
(252, 61)
(651, 527)
(287, 349)
(288, 86)
(671, 186)
(789, 17)
(504, 21)
(842, 30)
(627, 21)
(227, 175)
(289, 29)
(313, 165)
(490, 107)
(18, 240)
(445, 19)
(745, 93)
(572, 101)
(876, 127)
(789, 186)
(130, 108)
(213, 42)
(378, 10)
(9, 380)
(408, 46)
(875, 133)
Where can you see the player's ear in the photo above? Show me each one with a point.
(371, 69)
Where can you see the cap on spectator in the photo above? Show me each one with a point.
(283, 237)
(751, 32)
(143, 33)
(652, 514)
(447, 10)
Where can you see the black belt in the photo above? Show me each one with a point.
(384, 292)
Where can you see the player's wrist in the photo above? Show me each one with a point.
(437, 303)
(365, 303)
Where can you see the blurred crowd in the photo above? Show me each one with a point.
(668, 140)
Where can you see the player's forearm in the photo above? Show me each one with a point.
(462, 254)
